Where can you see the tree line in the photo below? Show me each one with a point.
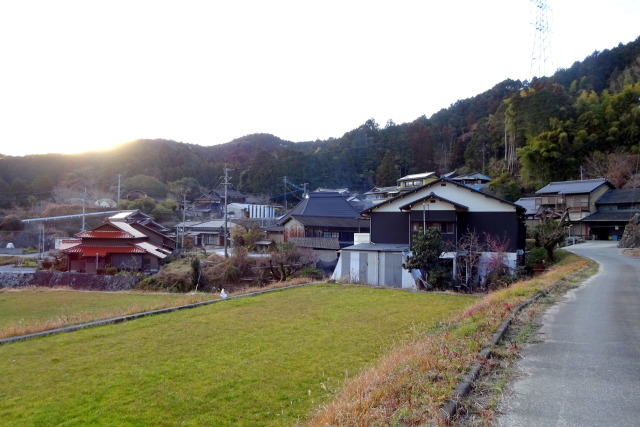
(581, 122)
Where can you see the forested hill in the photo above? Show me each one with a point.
(582, 121)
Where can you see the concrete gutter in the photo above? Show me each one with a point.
(122, 319)
(463, 388)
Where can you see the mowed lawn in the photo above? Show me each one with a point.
(35, 310)
(263, 360)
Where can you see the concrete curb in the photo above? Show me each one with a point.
(451, 406)
(129, 317)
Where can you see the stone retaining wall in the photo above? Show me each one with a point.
(79, 281)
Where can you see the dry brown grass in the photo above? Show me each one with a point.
(409, 386)
(633, 252)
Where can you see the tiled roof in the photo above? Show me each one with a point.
(102, 251)
(617, 196)
(378, 247)
(529, 203)
(573, 187)
(433, 184)
(429, 196)
(104, 234)
(331, 205)
(316, 221)
(611, 216)
(316, 242)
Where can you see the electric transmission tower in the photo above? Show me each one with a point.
(541, 60)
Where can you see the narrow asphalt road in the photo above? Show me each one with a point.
(586, 370)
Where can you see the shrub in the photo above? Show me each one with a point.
(311, 272)
(536, 256)
(110, 270)
(11, 223)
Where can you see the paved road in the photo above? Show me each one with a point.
(586, 372)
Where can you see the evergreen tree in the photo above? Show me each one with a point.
(386, 174)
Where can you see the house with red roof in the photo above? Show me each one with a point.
(122, 242)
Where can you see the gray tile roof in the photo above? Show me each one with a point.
(573, 187)
(611, 216)
(618, 196)
(330, 205)
(378, 247)
(529, 203)
(334, 223)
(316, 242)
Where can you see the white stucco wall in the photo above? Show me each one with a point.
(474, 200)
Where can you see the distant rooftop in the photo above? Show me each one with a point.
(417, 176)
(573, 187)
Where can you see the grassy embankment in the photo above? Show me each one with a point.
(410, 384)
(265, 360)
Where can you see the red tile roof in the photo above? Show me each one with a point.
(102, 251)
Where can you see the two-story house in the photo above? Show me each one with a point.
(578, 198)
(453, 208)
(406, 183)
(122, 242)
(614, 210)
(322, 221)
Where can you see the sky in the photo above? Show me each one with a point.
(80, 75)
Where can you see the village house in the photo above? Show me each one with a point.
(211, 204)
(406, 183)
(577, 198)
(129, 240)
(453, 208)
(323, 221)
(205, 233)
(614, 210)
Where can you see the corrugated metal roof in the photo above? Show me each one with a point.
(573, 187)
(153, 249)
(417, 176)
(127, 228)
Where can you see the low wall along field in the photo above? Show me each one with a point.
(79, 281)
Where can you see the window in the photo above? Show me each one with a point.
(444, 227)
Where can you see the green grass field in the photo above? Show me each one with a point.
(36, 310)
(264, 360)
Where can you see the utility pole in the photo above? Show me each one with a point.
(42, 242)
(84, 202)
(226, 187)
(285, 194)
(184, 214)
(118, 200)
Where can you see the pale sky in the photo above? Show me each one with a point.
(78, 75)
